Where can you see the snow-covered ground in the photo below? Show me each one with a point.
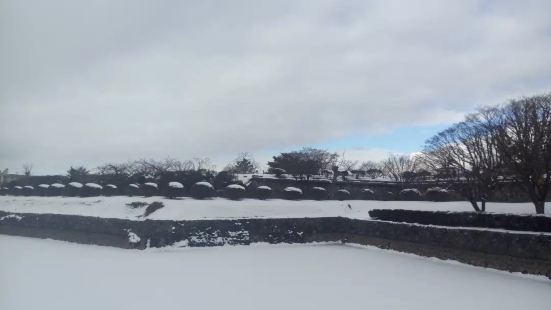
(46, 274)
(115, 207)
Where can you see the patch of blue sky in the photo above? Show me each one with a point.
(401, 140)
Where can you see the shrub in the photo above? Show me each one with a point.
(174, 189)
(150, 189)
(91, 189)
(42, 189)
(367, 193)
(263, 192)
(56, 189)
(110, 190)
(318, 193)
(409, 194)
(73, 189)
(223, 179)
(133, 189)
(28, 190)
(292, 193)
(234, 192)
(388, 196)
(154, 206)
(187, 178)
(202, 190)
(17, 190)
(342, 194)
(437, 194)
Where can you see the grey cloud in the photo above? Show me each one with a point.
(86, 82)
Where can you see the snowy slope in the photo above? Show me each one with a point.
(47, 274)
(115, 207)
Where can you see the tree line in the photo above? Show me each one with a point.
(510, 142)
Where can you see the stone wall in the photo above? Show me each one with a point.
(158, 233)
(518, 252)
(539, 223)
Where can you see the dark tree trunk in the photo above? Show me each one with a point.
(537, 199)
(333, 187)
(474, 203)
(540, 207)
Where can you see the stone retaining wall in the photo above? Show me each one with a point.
(505, 250)
(539, 223)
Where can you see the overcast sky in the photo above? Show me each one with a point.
(88, 82)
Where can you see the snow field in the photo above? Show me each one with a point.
(220, 208)
(48, 274)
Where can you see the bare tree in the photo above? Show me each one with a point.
(203, 163)
(115, 173)
(153, 168)
(3, 175)
(523, 131)
(372, 169)
(368, 165)
(27, 169)
(345, 166)
(174, 165)
(148, 168)
(114, 169)
(399, 167)
(469, 148)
